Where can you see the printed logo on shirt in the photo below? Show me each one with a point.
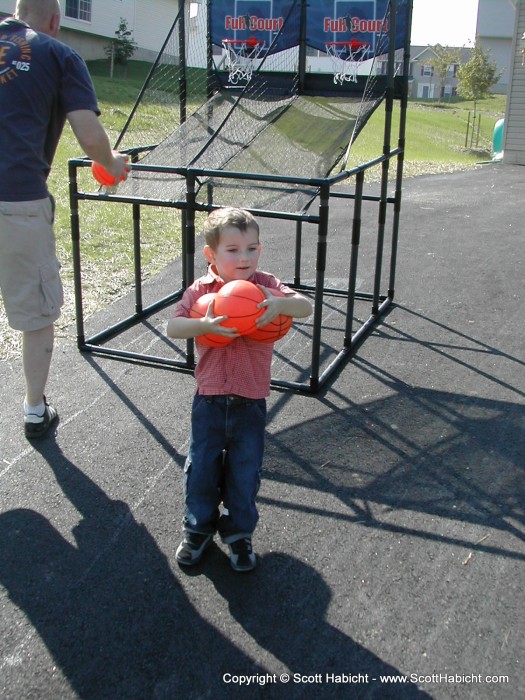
(15, 57)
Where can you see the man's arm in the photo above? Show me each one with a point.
(94, 141)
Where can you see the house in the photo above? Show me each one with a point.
(494, 33)
(514, 131)
(89, 25)
(424, 83)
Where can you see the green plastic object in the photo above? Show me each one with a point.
(497, 137)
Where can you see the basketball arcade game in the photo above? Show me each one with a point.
(248, 67)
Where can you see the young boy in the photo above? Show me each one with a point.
(229, 408)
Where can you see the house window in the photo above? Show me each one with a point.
(79, 9)
(427, 70)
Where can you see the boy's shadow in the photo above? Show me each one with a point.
(109, 609)
(283, 606)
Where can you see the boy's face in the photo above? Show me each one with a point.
(237, 254)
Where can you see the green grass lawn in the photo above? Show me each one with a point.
(436, 133)
(435, 142)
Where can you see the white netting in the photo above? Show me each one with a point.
(346, 57)
(241, 59)
(158, 111)
(191, 114)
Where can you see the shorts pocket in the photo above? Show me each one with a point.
(30, 209)
(51, 288)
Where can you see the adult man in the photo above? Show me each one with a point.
(42, 82)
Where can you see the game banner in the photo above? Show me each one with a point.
(264, 20)
(327, 21)
(360, 22)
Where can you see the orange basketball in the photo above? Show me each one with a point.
(276, 329)
(238, 301)
(102, 176)
(198, 310)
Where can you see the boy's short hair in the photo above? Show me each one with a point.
(219, 219)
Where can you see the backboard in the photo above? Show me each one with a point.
(326, 20)
(346, 20)
(261, 20)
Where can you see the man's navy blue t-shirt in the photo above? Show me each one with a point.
(41, 80)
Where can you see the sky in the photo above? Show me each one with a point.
(445, 22)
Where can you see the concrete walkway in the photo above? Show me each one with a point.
(392, 531)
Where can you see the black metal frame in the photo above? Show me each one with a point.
(380, 303)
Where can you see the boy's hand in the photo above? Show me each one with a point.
(272, 304)
(213, 324)
(276, 304)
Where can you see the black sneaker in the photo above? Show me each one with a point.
(242, 557)
(192, 547)
(38, 426)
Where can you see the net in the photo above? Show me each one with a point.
(241, 58)
(178, 84)
(346, 57)
(375, 82)
(260, 122)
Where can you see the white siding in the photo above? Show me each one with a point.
(500, 51)
(7, 7)
(495, 19)
(149, 20)
(153, 20)
(514, 136)
(494, 33)
(105, 17)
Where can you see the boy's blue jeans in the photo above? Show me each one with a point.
(224, 464)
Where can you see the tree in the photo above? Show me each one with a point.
(477, 75)
(475, 78)
(442, 58)
(122, 47)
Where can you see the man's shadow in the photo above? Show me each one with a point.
(284, 607)
(109, 609)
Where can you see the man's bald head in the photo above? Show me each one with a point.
(41, 15)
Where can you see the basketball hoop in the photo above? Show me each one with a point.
(346, 57)
(241, 55)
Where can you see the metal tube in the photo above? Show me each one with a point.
(298, 246)
(189, 234)
(302, 47)
(322, 236)
(401, 155)
(130, 321)
(183, 85)
(148, 79)
(75, 243)
(210, 73)
(183, 252)
(137, 258)
(389, 103)
(352, 279)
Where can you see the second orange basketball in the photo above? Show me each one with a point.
(238, 301)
